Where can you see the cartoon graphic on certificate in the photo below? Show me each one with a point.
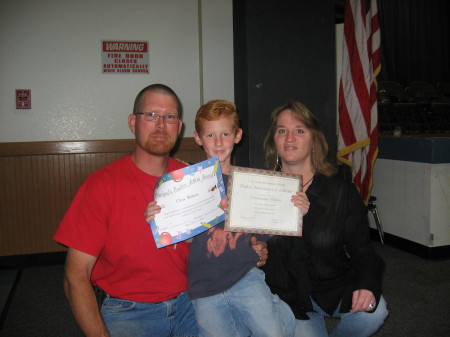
(192, 201)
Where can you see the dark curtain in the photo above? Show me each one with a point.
(415, 40)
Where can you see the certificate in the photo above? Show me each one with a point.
(260, 202)
(192, 200)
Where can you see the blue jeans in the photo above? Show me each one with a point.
(246, 309)
(174, 317)
(359, 324)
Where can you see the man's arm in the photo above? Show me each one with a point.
(80, 293)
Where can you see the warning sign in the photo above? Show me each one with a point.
(23, 98)
(125, 57)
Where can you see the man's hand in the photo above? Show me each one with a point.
(260, 248)
(80, 293)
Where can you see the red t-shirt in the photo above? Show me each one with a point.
(106, 220)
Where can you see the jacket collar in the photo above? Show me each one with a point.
(317, 189)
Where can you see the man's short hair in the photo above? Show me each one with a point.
(159, 88)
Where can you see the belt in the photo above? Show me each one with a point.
(100, 294)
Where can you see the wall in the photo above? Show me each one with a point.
(413, 200)
(412, 184)
(53, 47)
(283, 50)
(39, 180)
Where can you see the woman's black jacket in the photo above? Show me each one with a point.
(334, 256)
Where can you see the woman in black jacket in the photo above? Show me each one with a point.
(332, 270)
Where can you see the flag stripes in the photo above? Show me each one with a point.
(358, 130)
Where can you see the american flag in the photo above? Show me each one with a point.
(358, 129)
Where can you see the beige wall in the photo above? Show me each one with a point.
(53, 47)
(413, 200)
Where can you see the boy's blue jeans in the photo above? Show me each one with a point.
(246, 309)
(359, 324)
(174, 317)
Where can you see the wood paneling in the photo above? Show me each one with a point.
(39, 179)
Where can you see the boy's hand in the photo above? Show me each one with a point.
(260, 248)
(224, 203)
(151, 210)
(301, 201)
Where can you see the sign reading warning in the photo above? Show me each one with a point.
(125, 57)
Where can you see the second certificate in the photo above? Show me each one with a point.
(260, 202)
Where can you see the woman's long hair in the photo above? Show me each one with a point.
(320, 145)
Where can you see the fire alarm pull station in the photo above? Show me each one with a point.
(23, 99)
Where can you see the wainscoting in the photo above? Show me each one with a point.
(39, 179)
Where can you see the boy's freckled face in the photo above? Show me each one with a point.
(218, 138)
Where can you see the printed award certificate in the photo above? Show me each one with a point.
(191, 199)
(259, 201)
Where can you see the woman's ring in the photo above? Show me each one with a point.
(371, 305)
(260, 259)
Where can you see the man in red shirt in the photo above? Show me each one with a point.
(111, 245)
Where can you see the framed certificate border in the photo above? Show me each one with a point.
(259, 201)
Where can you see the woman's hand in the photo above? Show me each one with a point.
(151, 210)
(301, 201)
(363, 300)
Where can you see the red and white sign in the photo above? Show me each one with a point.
(125, 57)
(23, 99)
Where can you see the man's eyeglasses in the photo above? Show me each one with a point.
(154, 117)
